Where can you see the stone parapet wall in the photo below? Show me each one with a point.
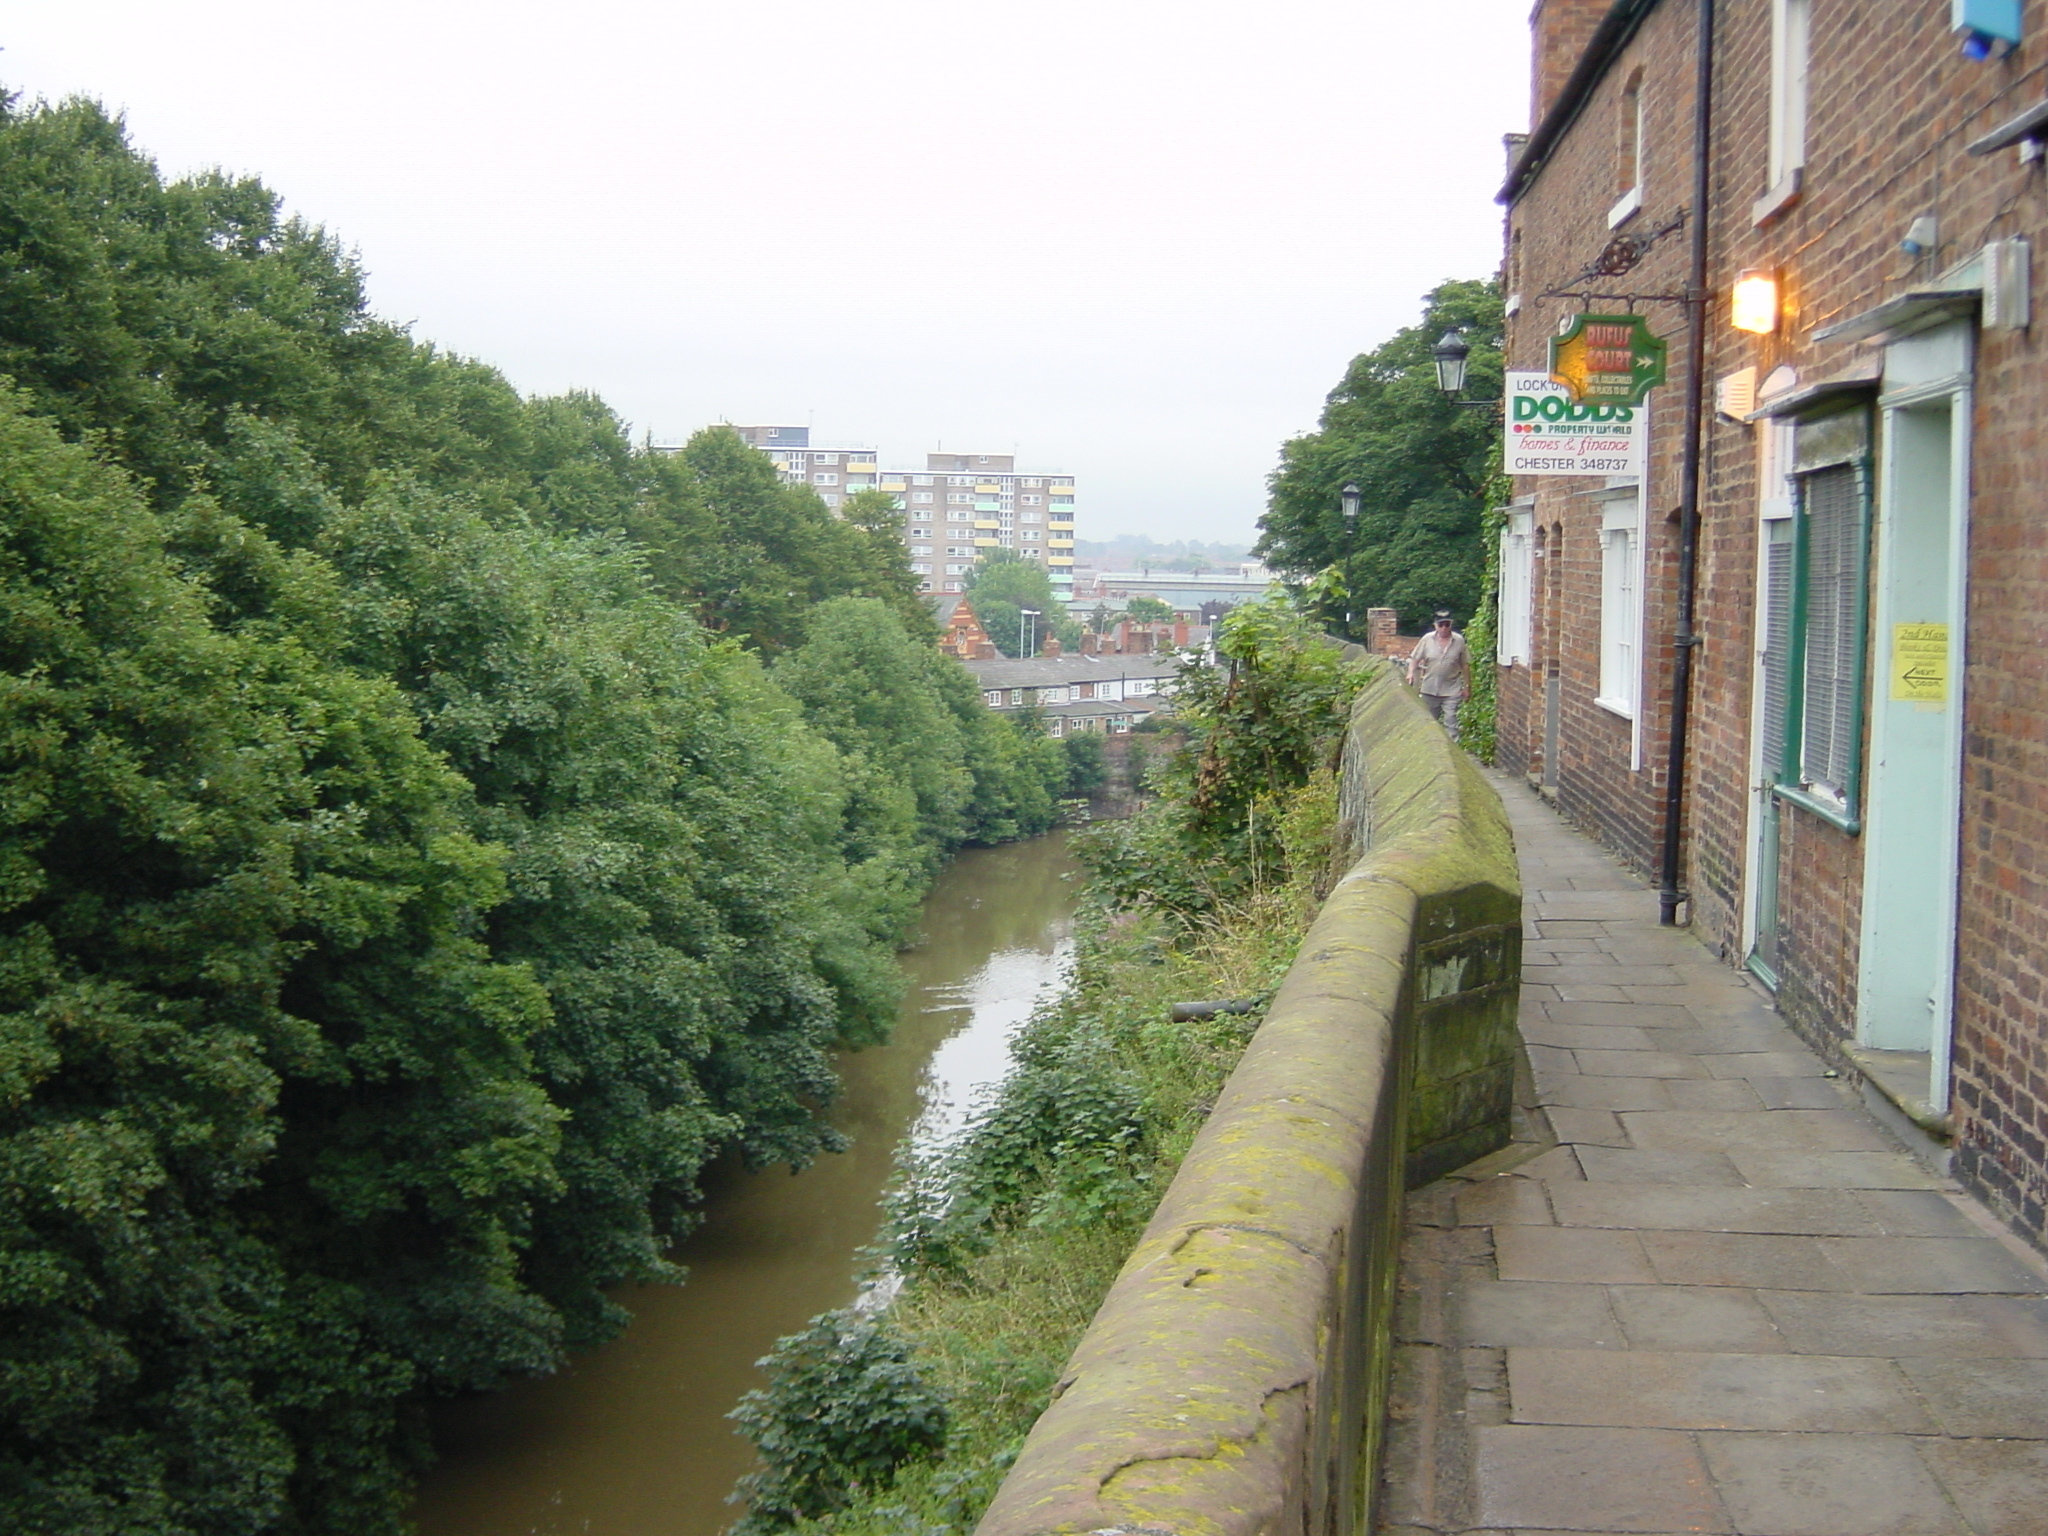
(1234, 1380)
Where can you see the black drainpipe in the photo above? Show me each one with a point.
(1683, 639)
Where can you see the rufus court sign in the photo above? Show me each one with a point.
(1607, 359)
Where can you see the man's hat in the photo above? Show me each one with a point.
(1443, 616)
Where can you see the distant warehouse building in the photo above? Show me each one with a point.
(1080, 694)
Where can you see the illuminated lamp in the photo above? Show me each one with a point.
(1754, 305)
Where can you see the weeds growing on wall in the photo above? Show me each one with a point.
(1260, 727)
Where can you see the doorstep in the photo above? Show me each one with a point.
(1897, 1085)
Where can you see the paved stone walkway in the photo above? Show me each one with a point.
(1704, 1291)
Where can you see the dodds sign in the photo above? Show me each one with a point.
(1548, 433)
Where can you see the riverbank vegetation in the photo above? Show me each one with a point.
(431, 828)
(1005, 1242)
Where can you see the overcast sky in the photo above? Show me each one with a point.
(1132, 240)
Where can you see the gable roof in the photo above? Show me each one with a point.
(1602, 49)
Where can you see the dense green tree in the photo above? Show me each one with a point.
(1019, 771)
(873, 691)
(766, 553)
(1419, 459)
(270, 1135)
(881, 563)
(1087, 769)
(1002, 586)
(676, 877)
(410, 871)
(930, 766)
(1148, 610)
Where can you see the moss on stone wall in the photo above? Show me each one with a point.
(1234, 1380)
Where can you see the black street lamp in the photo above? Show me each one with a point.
(1450, 354)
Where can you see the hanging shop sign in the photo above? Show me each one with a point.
(1548, 433)
(1607, 359)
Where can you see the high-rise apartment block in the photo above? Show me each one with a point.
(955, 508)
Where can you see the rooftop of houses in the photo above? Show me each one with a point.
(1056, 671)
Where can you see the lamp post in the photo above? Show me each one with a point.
(1348, 499)
(1034, 614)
(1450, 354)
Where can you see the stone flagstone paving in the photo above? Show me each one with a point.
(1704, 1291)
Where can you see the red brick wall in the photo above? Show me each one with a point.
(1893, 108)
(1555, 232)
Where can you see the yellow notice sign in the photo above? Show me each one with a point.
(1920, 663)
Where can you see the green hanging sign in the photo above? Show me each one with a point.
(1607, 359)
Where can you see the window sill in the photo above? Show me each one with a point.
(1779, 198)
(1621, 707)
(1834, 812)
(1630, 204)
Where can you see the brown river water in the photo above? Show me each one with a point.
(632, 1439)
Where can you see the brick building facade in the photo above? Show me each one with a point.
(1864, 799)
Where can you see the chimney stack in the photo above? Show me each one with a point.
(1561, 29)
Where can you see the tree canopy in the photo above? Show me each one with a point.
(1419, 460)
(431, 829)
(1001, 587)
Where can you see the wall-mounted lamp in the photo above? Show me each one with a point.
(1754, 304)
(1450, 353)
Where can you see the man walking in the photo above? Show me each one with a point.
(1440, 669)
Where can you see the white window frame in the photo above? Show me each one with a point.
(824, 479)
(1516, 600)
(1791, 53)
(1621, 604)
(1634, 126)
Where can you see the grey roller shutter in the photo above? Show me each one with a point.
(1832, 676)
(1777, 658)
